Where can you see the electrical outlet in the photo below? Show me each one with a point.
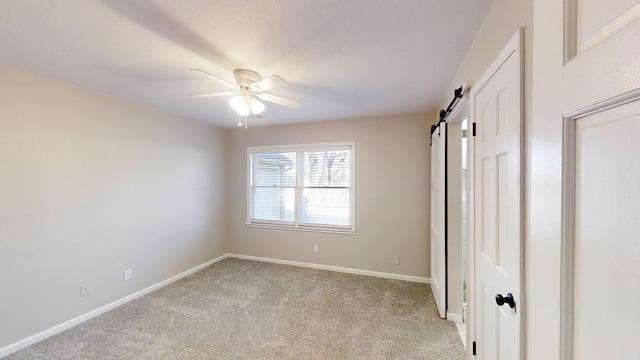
(85, 289)
(397, 260)
(315, 248)
(127, 275)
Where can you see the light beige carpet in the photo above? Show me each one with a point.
(238, 309)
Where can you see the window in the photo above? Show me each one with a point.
(305, 187)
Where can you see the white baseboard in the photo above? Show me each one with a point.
(418, 279)
(10, 349)
(454, 317)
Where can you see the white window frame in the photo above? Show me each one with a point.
(296, 224)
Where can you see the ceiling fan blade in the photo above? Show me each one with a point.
(229, 93)
(279, 100)
(220, 80)
(268, 83)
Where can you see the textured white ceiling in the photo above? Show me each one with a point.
(342, 58)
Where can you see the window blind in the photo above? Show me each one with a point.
(302, 186)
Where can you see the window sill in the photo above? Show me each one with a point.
(302, 228)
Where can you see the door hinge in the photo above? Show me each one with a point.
(473, 129)
(473, 349)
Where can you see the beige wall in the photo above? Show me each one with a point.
(90, 186)
(392, 196)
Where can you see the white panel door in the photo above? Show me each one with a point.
(438, 239)
(602, 231)
(497, 113)
(607, 246)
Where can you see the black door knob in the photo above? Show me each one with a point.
(501, 300)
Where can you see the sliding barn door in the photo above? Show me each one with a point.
(602, 170)
(438, 236)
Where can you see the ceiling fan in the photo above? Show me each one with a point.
(250, 87)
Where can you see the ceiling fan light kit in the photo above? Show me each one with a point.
(249, 88)
(256, 106)
(246, 104)
(240, 105)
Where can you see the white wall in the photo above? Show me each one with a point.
(91, 185)
(545, 184)
(502, 22)
(392, 196)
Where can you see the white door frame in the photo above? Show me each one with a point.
(471, 247)
(455, 277)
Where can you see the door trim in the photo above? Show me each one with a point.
(567, 246)
(471, 242)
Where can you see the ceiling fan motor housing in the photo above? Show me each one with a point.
(246, 78)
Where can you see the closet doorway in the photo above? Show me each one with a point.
(456, 199)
